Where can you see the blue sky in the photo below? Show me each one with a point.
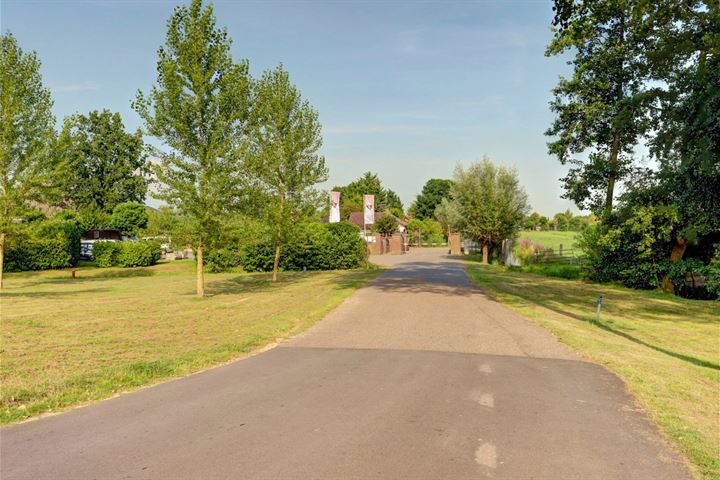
(405, 89)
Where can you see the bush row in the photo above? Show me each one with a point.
(43, 245)
(126, 254)
(333, 246)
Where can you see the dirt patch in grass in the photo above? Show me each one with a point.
(67, 341)
(665, 348)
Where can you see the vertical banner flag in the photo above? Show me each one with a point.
(369, 202)
(334, 207)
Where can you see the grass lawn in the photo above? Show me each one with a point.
(68, 341)
(550, 239)
(665, 348)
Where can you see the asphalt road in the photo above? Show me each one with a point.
(417, 376)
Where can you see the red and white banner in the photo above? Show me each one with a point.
(334, 207)
(369, 209)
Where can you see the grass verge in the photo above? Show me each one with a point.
(67, 341)
(665, 348)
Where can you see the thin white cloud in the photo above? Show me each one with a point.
(85, 86)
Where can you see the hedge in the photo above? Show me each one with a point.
(333, 246)
(44, 245)
(126, 254)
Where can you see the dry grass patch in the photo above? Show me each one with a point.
(666, 349)
(68, 341)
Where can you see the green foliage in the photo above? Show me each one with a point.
(433, 192)
(385, 225)
(126, 254)
(199, 108)
(138, 254)
(163, 221)
(601, 109)
(557, 270)
(130, 218)
(335, 246)
(37, 253)
(94, 219)
(45, 244)
(431, 231)
(351, 198)
(283, 141)
(106, 254)
(104, 164)
(633, 250)
(448, 215)
(490, 202)
(222, 259)
(27, 171)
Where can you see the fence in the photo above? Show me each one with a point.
(567, 257)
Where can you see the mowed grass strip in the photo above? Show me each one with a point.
(665, 348)
(66, 341)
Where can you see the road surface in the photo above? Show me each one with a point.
(418, 375)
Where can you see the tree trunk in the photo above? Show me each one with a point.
(614, 153)
(2, 258)
(200, 278)
(486, 249)
(276, 263)
(677, 253)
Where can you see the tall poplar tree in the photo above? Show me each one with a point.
(26, 136)
(198, 109)
(285, 136)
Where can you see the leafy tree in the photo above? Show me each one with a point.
(105, 164)
(432, 194)
(130, 218)
(386, 225)
(351, 199)
(26, 134)
(601, 109)
(285, 136)
(447, 214)
(92, 219)
(199, 109)
(163, 221)
(491, 203)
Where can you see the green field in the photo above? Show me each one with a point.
(66, 341)
(665, 348)
(550, 239)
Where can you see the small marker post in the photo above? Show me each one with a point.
(599, 306)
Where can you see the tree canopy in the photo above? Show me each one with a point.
(490, 202)
(105, 165)
(433, 192)
(351, 199)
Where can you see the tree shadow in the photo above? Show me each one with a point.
(95, 277)
(549, 301)
(6, 294)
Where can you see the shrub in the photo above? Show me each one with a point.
(33, 253)
(333, 246)
(126, 254)
(257, 257)
(45, 244)
(222, 259)
(106, 254)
